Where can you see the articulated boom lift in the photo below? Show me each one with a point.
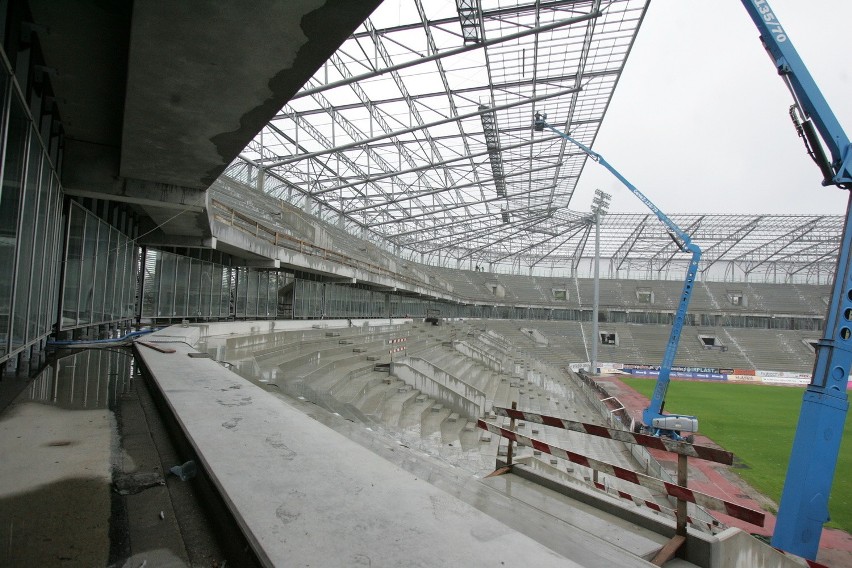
(804, 501)
(655, 422)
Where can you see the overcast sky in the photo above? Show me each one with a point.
(699, 121)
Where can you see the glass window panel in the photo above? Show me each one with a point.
(226, 298)
(166, 306)
(260, 293)
(151, 290)
(73, 266)
(115, 253)
(205, 288)
(58, 222)
(131, 262)
(216, 289)
(181, 286)
(104, 281)
(272, 294)
(87, 274)
(26, 244)
(10, 199)
(126, 306)
(48, 247)
(118, 259)
(194, 300)
(242, 289)
(40, 238)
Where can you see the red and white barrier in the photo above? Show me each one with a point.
(666, 444)
(397, 340)
(397, 349)
(656, 507)
(677, 491)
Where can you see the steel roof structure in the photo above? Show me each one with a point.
(417, 134)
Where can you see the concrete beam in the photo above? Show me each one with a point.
(266, 263)
(91, 170)
(178, 241)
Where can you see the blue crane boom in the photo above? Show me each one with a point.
(655, 421)
(804, 501)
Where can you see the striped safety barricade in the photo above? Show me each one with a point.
(679, 492)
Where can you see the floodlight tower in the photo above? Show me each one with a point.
(600, 205)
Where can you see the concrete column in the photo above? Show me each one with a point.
(261, 179)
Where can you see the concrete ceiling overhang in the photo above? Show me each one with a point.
(168, 93)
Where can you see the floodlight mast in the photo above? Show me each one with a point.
(804, 501)
(655, 422)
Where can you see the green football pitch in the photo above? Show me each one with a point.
(757, 424)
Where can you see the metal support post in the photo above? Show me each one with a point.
(600, 204)
(511, 449)
(682, 474)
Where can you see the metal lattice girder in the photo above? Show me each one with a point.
(469, 19)
(764, 252)
(492, 143)
(718, 251)
(624, 249)
(418, 129)
(409, 153)
(669, 251)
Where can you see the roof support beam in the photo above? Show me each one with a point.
(417, 128)
(451, 52)
(431, 165)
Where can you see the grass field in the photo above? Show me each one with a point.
(757, 424)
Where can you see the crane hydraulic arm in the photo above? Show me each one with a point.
(804, 501)
(656, 422)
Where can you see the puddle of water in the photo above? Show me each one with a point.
(84, 380)
(60, 437)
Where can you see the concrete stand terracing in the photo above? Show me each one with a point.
(305, 495)
(308, 487)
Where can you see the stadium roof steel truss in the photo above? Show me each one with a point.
(417, 134)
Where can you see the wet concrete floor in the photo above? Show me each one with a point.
(83, 476)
